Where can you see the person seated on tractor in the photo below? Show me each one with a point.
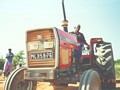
(80, 41)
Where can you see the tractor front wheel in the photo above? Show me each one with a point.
(15, 81)
(90, 80)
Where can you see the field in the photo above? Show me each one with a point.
(47, 86)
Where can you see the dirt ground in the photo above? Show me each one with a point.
(47, 86)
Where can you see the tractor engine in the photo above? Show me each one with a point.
(50, 54)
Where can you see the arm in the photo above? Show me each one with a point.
(9, 55)
(84, 40)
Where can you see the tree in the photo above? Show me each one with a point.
(2, 61)
(117, 61)
(19, 58)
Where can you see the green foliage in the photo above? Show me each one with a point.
(19, 58)
(117, 61)
(117, 68)
(2, 60)
(117, 72)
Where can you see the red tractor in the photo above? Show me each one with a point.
(51, 57)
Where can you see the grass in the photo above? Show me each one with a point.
(117, 70)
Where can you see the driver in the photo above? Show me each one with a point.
(81, 41)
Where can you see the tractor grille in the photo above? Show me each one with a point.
(46, 34)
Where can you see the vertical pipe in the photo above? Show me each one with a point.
(64, 14)
(65, 22)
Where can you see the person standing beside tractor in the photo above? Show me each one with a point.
(8, 65)
(80, 41)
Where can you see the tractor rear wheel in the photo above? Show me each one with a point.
(105, 64)
(90, 80)
(15, 81)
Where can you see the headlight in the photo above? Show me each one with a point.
(48, 44)
(40, 45)
(33, 46)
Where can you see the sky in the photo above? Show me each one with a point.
(98, 18)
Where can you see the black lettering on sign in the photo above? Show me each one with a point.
(43, 55)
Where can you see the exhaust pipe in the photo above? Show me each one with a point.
(64, 22)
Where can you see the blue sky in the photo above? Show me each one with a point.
(98, 18)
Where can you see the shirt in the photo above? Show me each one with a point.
(9, 57)
(80, 38)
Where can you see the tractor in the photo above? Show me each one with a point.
(51, 57)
